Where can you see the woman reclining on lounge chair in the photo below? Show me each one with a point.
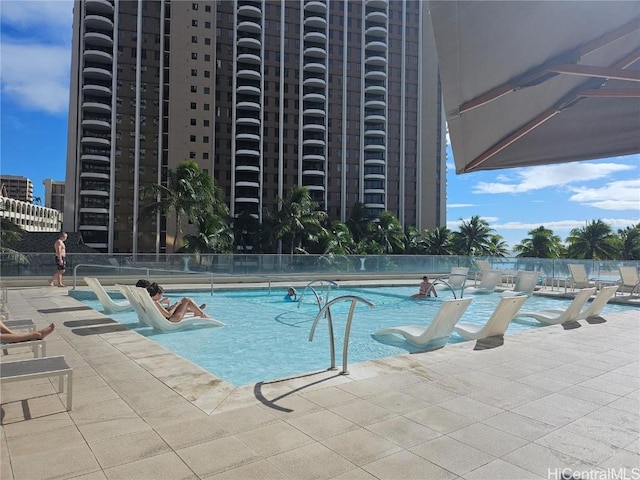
(9, 336)
(178, 310)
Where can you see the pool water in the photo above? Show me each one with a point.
(266, 337)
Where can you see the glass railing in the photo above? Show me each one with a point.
(39, 264)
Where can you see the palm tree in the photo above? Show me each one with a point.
(593, 241)
(387, 232)
(473, 237)
(358, 221)
(438, 241)
(416, 244)
(188, 192)
(630, 242)
(214, 235)
(541, 243)
(299, 219)
(497, 247)
(337, 239)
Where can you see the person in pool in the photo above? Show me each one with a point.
(426, 287)
(178, 310)
(291, 296)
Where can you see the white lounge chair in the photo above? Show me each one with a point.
(38, 347)
(437, 333)
(595, 307)
(554, 317)
(578, 278)
(154, 318)
(488, 283)
(22, 324)
(525, 284)
(497, 323)
(629, 280)
(40, 368)
(456, 278)
(108, 304)
(133, 301)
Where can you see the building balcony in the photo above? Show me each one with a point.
(374, 176)
(249, 42)
(250, 58)
(250, 11)
(96, 107)
(313, 173)
(375, 60)
(247, 200)
(95, 175)
(247, 120)
(247, 152)
(373, 117)
(315, 67)
(376, 46)
(377, 74)
(375, 103)
(94, 193)
(97, 73)
(249, 74)
(378, 4)
(316, 52)
(313, 142)
(377, 16)
(249, 27)
(96, 123)
(93, 157)
(98, 56)
(248, 90)
(102, 211)
(375, 89)
(373, 147)
(315, 82)
(98, 22)
(255, 106)
(375, 132)
(247, 184)
(317, 37)
(314, 188)
(93, 228)
(97, 39)
(97, 90)
(316, 7)
(247, 168)
(314, 127)
(313, 158)
(376, 31)
(248, 137)
(314, 97)
(314, 112)
(103, 7)
(315, 21)
(90, 141)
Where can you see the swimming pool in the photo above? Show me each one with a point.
(267, 338)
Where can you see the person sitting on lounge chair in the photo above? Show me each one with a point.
(426, 288)
(144, 283)
(178, 310)
(9, 336)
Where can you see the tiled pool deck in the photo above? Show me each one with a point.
(547, 401)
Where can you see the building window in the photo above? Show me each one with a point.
(194, 23)
(194, 89)
(205, 139)
(207, 90)
(207, 24)
(192, 138)
(194, 39)
(205, 156)
(192, 154)
(207, 74)
(207, 41)
(194, 56)
(193, 105)
(194, 72)
(207, 8)
(207, 58)
(193, 122)
(194, 6)
(206, 107)
(205, 123)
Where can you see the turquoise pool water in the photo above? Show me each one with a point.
(267, 338)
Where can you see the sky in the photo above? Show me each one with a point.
(35, 59)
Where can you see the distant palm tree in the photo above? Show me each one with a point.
(214, 235)
(497, 247)
(415, 244)
(337, 239)
(593, 241)
(358, 221)
(630, 242)
(541, 243)
(387, 232)
(299, 219)
(189, 192)
(473, 237)
(438, 241)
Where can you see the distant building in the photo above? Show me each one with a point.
(20, 188)
(30, 217)
(54, 194)
(340, 97)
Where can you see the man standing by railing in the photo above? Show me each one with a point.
(61, 260)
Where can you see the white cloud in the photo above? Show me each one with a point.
(537, 178)
(460, 205)
(564, 225)
(36, 76)
(36, 53)
(621, 195)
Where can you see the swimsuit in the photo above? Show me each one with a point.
(64, 263)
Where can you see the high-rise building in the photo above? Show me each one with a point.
(341, 97)
(54, 194)
(18, 187)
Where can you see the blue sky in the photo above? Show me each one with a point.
(35, 57)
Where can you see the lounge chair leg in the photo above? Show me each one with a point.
(69, 390)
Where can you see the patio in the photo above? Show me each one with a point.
(546, 402)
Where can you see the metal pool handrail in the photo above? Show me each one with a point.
(327, 310)
(309, 286)
(145, 269)
(444, 282)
